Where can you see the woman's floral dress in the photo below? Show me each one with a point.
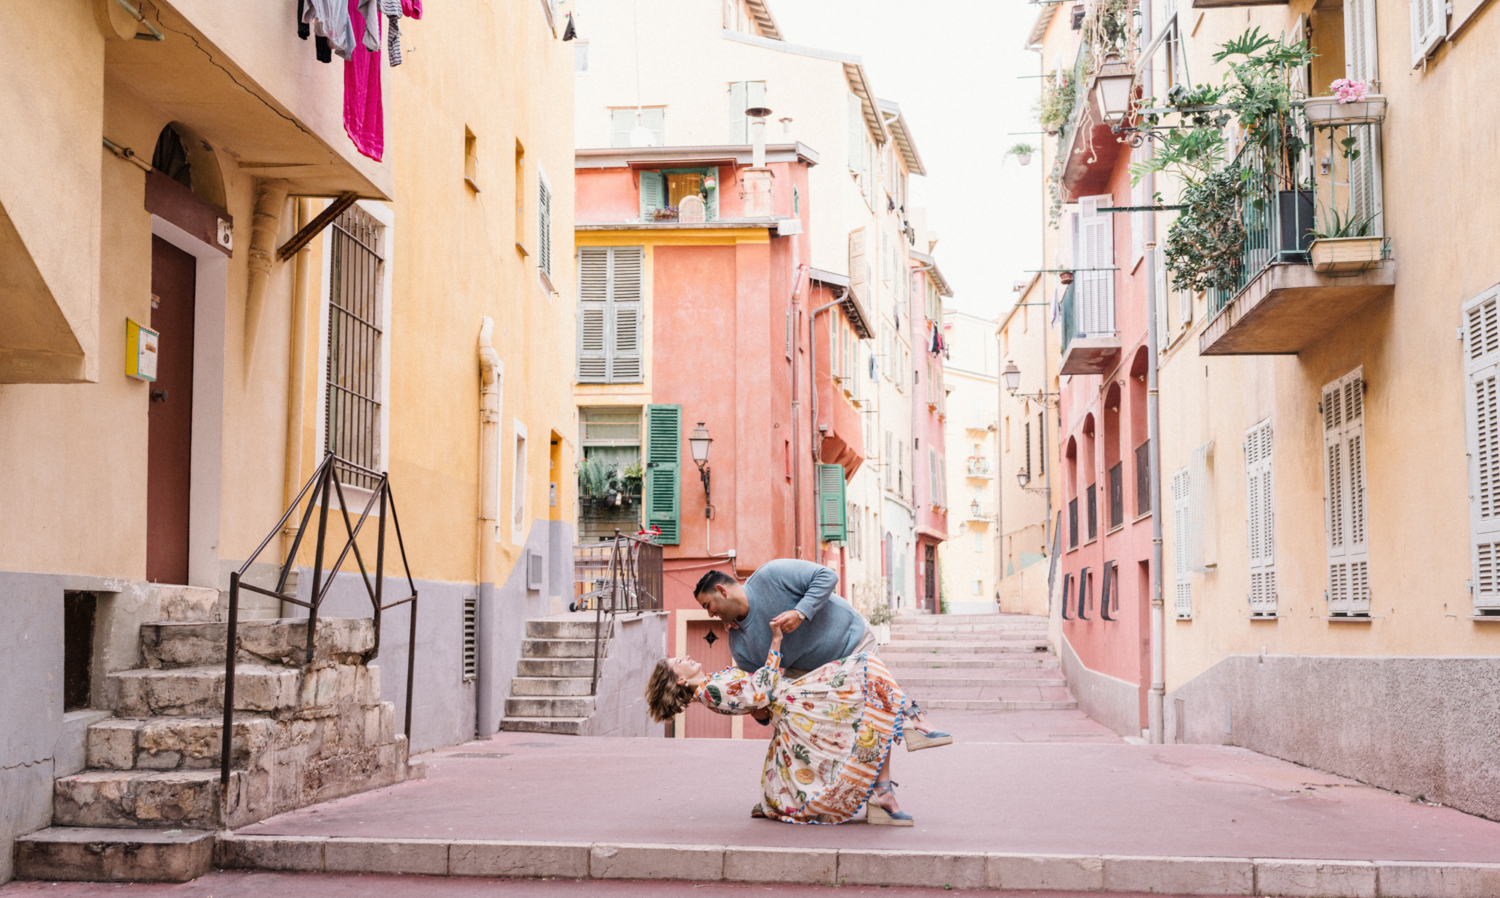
(833, 730)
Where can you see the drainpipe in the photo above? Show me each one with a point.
(796, 412)
(1154, 703)
(812, 383)
(270, 198)
(297, 381)
(491, 375)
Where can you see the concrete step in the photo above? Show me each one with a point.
(918, 681)
(550, 706)
(559, 648)
(533, 686)
(995, 705)
(997, 646)
(1024, 693)
(170, 644)
(564, 627)
(90, 854)
(199, 691)
(191, 603)
(130, 798)
(922, 662)
(556, 667)
(171, 743)
(556, 726)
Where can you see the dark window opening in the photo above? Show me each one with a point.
(78, 649)
(170, 157)
(1143, 478)
(1117, 495)
(1093, 510)
(1073, 524)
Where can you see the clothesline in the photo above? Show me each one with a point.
(351, 30)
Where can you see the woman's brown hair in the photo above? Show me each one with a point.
(664, 695)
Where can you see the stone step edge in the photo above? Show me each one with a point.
(1285, 877)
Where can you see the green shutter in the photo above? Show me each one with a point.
(831, 518)
(663, 486)
(711, 205)
(653, 193)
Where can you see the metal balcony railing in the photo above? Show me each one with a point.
(621, 576)
(1069, 318)
(1289, 202)
(979, 467)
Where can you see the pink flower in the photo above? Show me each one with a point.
(1349, 90)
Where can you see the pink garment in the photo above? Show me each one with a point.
(363, 118)
(412, 9)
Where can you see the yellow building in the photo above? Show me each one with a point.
(449, 263)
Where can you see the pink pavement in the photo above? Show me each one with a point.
(1048, 782)
(234, 884)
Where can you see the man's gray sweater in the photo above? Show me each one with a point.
(832, 630)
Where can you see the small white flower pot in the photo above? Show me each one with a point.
(1328, 112)
(1023, 158)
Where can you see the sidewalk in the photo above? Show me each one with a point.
(1018, 783)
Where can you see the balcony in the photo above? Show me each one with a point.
(979, 469)
(1090, 343)
(1292, 287)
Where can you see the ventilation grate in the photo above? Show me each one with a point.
(471, 639)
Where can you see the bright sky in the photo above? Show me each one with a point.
(956, 75)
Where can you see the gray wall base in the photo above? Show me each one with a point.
(1421, 726)
(620, 705)
(1109, 700)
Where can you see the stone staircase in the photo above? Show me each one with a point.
(550, 693)
(978, 662)
(146, 806)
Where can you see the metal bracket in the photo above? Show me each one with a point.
(315, 227)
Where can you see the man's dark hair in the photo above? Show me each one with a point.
(710, 580)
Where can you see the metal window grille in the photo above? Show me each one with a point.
(352, 422)
(1093, 503)
(1117, 495)
(1143, 478)
(471, 641)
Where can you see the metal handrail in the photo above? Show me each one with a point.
(318, 491)
(626, 576)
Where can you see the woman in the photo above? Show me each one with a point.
(830, 752)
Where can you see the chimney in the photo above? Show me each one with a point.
(758, 116)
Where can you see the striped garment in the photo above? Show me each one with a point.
(833, 730)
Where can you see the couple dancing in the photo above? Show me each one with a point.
(805, 662)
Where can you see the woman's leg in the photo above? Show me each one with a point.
(887, 798)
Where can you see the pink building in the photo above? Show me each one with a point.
(929, 411)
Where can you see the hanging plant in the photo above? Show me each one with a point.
(1055, 108)
(1205, 244)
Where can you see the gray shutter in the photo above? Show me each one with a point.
(1200, 522)
(1260, 520)
(653, 193)
(655, 121)
(1482, 420)
(1163, 325)
(593, 314)
(1181, 499)
(626, 315)
(621, 123)
(738, 123)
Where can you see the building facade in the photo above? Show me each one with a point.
(972, 376)
(171, 158)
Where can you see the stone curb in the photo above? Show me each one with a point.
(1279, 877)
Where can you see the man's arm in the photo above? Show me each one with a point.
(815, 582)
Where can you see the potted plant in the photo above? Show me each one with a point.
(1022, 151)
(1351, 103)
(633, 477)
(880, 622)
(1345, 246)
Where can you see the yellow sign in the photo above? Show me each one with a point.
(140, 351)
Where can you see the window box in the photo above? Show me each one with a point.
(1328, 112)
(1346, 255)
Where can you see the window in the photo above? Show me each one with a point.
(1344, 479)
(1092, 496)
(1041, 430)
(852, 516)
(662, 193)
(1073, 523)
(1482, 425)
(1095, 258)
(1429, 25)
(544, 228)
(1143, 478)
(890, 459)
(796, 202)
(610, 314)
(1117, 495)
(1027, 431)
(471, 160)
(581, 57)
(1181, 498)
(353, 411)
(743, 95)
(978, 539)
(978, 589)
(518, 487)
(623, 122)
(1261, 521)
(611, 475)
(1007, 433)
(520, 198)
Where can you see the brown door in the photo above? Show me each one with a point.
(170, 446)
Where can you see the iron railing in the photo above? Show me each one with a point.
(319, 491)
(1286, 201)
(622, 576)
(1069, 317)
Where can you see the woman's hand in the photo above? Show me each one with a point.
(776, 635)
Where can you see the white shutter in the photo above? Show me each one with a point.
(593, 314)
(1137, 219)
(738, 122)
(1181, 499)
(1200, 519)
(890, 459)
(1429, 25)
(1163, 326)
(856, 135)
(1361, 63)
(857, 267)
(626, 315)
(621, 123)
(1261, 520)
(1096, 283)
(1482, 420)
(543, 225)
(1344, 476)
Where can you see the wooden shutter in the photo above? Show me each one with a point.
(1361, 62)
(711, 205)
(593, 314)
(831, 500)
(653, 193)
(544, 226)
(1181, 498)
(1429, 25)
(857, 266)
(1096, 283)
(662, 491)
(1344, 479)
(1261, 520)
(626, 315)
(1482, 420)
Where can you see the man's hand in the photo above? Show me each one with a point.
(787, 621)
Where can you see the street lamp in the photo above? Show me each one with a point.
(699, 443)
(974, 510)
(1012, 377)
(1023, 477)
(1112, 88)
